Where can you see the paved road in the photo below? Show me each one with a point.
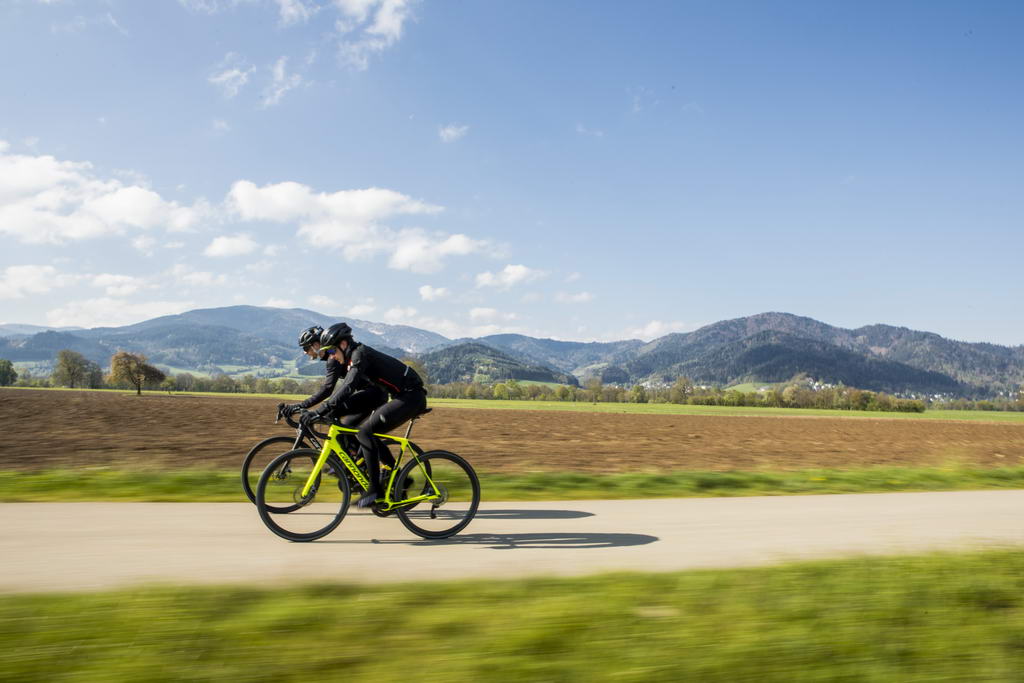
(85, 546)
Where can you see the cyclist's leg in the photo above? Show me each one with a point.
(387, 417)
(358, 407)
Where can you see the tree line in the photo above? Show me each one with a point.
(133, 371)
(684, 392)
(75, 371)
(130, 370)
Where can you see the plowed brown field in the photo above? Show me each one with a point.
(40, 429)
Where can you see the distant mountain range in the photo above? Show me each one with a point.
(769, 347)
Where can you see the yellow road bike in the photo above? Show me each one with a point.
(303, 494)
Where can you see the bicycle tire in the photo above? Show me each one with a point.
(249, 486)
(278, 471)
(442, 466)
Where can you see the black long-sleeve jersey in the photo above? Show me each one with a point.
(366, 364)
(334, 372)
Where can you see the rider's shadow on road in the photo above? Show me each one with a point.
(532, 514)
(508, 514)
(544, 540)
(552, 540)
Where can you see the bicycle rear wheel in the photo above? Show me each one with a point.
(283, 508)
(257, 459)
(459, 494)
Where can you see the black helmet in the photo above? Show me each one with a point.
(333, 336)
(310, 335)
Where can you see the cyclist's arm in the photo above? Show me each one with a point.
(353, 379)
(332, 372)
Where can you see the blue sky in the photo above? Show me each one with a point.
(579, 170)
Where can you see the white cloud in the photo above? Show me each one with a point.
(81, 23)
(657, 328)
(231, 75)
(452, 132)
(508, 277)
(360, 309)
(220, 126)
(399, 315)
(184, 275)
(428, 293)
(263, 266)
(369, 27)
(488, 314)
(279, 303)
(643, 98)
(321, 301)
(580, 298)
(362, 28)
(137, 207)
(115, 25)
(118, 285)
(47, 201)
(480, 328)
(281, 83)
(145, 244)
(233, 245)
(592, 132)
(107, 312)
(205, 6)
(572, 277)
(17, 281)
(419, 252)
(30, 142)
(295, 11)
(352, 221)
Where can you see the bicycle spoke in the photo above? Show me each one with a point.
(289, 513)
(453, 495)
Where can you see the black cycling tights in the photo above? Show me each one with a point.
(359, 405)
(393, 413)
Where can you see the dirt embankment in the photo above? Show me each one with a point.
(69, 428)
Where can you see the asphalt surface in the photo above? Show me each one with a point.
(90, 546)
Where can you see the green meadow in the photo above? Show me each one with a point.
(106, 484)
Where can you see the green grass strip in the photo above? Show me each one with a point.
(952, 617)
(96, 484)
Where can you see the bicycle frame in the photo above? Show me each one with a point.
(331, 445)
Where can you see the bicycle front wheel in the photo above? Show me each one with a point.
(302, 518)
(456, 487)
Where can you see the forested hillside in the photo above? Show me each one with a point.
(472, 362)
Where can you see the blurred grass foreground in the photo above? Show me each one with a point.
(934, 617)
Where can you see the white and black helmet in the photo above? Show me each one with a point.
(309, 336)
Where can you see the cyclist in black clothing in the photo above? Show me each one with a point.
(362, 363)
(359, 404)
